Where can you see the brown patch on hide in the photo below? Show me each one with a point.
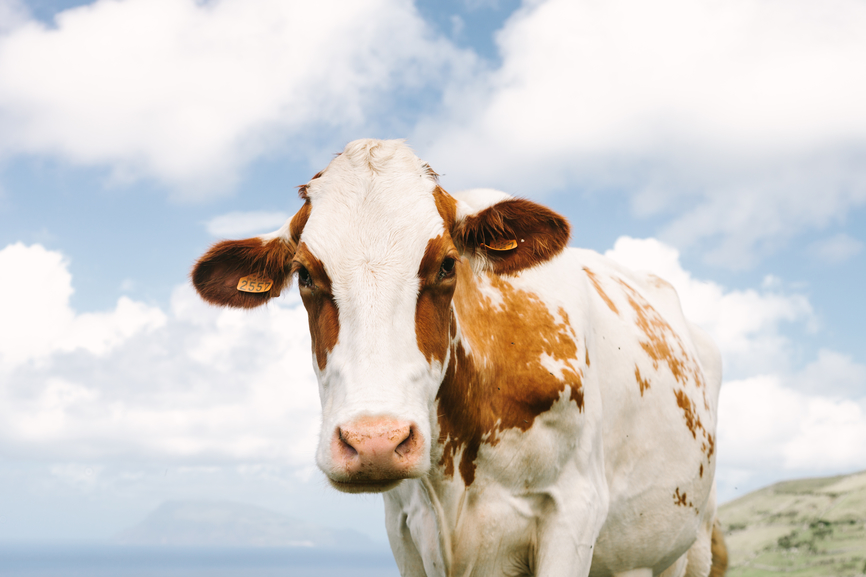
(503, 384)
(447, 207)
(433, 315)
(642, 383)
(680, 500)
(541, 234)
(660, 282)
(216, 274)
(597, 285)
(663, 344)
(299, 221)
(693, 423)
(322, 311)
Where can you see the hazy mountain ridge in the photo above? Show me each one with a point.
(227, 524)
(800, 528)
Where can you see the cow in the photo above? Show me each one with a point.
(525, 408)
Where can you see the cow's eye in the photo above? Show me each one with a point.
(447, 268)
(304, 278)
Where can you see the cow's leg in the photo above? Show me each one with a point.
(569, 528)
(678, 569)
(720, 552)
(704, 554)
(700, 554)
(573, 509)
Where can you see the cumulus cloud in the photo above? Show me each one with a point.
(833, 375)
(194, 383)
(738, 121)
(238, 224)
(37, 318)
(765, 425)
(187, 92)
(13, 13)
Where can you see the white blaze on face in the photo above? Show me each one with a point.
(372, 215)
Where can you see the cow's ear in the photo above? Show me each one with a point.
(505, 234)
(248, 273)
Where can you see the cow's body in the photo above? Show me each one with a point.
(624, 469)
(532, 411)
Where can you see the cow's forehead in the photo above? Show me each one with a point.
(372, 209)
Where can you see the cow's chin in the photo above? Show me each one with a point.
(375, 482)
(364, 486)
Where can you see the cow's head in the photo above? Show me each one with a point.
(377, 248)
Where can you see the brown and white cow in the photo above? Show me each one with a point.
(526, 409)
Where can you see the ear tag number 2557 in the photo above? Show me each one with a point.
(501, 245)
(254, 283)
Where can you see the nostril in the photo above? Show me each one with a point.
(345, 446)
(407, 444)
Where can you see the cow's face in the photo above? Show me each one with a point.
(376, 250)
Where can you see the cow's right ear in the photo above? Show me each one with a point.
(235, 273)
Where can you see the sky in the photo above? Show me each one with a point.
(718, 143)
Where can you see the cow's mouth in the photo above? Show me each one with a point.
(364, 486)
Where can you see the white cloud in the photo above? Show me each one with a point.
(767, 426)
(830, 438)
(835, 249)
(834, 375)
(37, 318)
(741, 118)
(240, 224)
(745, 323)
(196, 383)
(13, 13)
(188, 92)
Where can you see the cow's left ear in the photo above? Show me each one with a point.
(506, 234)
(248, 273)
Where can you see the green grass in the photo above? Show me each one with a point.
(801, 528)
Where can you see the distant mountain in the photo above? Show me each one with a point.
(226, 524)
(802, 528)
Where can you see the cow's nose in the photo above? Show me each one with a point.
(376, 449)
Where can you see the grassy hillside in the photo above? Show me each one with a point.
(802, 528)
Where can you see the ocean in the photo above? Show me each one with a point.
(136, 561)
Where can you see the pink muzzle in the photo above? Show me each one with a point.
(375, 450)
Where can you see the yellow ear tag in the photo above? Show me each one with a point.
(254, 283)
(501, 245)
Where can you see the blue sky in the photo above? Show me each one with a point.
(722, 145)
